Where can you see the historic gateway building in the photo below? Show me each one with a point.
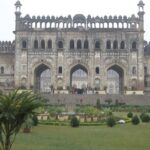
(77, 54)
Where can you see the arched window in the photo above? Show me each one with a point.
(24, 44)
(72, 44)
(97, 45)
(43, 44)
(49, 44)
(2, 70)
(36, 44)
(122, 45)
(86, 44)
(60, 70)
(133, 70)
(108, 44)
(79, 46)
(134, 45)
(97, 70)
(115, 45)
(60, 44)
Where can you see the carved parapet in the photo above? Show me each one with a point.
(79, 20)
(7, 47)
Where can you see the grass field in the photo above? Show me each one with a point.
(120, 137)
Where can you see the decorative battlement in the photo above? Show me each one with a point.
(78, 21)
(7, 47)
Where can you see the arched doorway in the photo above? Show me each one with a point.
(115, 80)
(42, 79)
(79, 79)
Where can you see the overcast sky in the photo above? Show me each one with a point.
(66, 7)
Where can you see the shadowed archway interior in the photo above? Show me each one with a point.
(42, 78)
(79, 77)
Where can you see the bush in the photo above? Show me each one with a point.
(135, 120)
(130, 115)
(111, 122)
(145, 117)
(74, 122)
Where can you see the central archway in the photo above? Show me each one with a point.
(115, 80)
(42, 79)
(79, 78)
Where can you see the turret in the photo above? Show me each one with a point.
(18, 13)
(141, 14)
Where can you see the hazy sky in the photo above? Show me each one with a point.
(66, 7)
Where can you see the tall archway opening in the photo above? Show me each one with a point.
(79, 79)
(42, 79)
(115, 80)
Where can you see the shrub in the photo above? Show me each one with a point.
(74, 122)
(130, 115)
(111, 121)
(145, 117)
(135, 120)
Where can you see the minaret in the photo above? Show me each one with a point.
(17, 44)
(141, 46)
(141, 14)
(18, 13)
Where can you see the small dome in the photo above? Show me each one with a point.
(79, 18)
(141, 3)
(18, 3)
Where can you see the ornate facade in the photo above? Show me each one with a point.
(58, 53)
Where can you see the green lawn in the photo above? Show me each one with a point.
(120, 137)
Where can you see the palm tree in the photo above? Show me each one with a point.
(15, 108)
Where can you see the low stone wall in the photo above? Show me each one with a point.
(75, 99)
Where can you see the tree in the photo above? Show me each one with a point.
(14, 110)
(145, 117)
(135, 120)
(74, 122)
(130, 115)
(111, 121)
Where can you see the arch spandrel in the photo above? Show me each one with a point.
(38, 63)
(79, 63)
(115, 64)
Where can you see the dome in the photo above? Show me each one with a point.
(79, 18)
